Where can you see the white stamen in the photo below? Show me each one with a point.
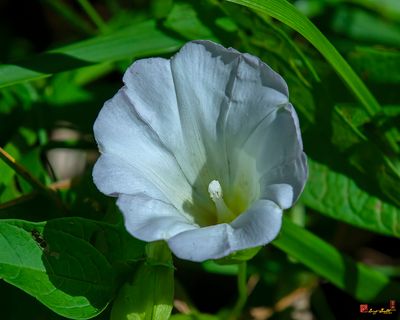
(223, 212)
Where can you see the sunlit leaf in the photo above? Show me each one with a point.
(135, 41)
(66, 264)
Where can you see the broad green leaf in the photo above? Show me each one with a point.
(63, 272)
(359, 280)
(289, 15)
(363, 26)
(376, 64)
(150, 294)
(347, 125)
(339, 197)
(135, 41)
(387, 8)
(112, 241)
(65, 263)
(161, 8)
(183, 19)
(346, 121)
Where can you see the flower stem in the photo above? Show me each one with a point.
(242, 290)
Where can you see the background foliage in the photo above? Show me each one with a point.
(61, 241)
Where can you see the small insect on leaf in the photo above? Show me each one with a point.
(40, 240)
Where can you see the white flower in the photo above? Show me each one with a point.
(202, 150)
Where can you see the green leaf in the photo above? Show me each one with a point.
(112, 241)
(289, 15)
(339, 197)
(64, 263)
(183, 19)
(359, 280)
(135, 41)
(161, 8)
(347, 125)
(63, 272)
(376, 65)
(390, 9)
(150, 295)
(363, 26)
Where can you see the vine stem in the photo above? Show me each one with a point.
(10, 161)
(242, 291)
(28, 177)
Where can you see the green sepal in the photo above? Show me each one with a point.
(157, 252)
(149, 296)
(239, 256)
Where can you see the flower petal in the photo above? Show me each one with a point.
(203, 95)
(271, 164)
(119, 131)
(151, 90)
(275, 140)
(201, 72)
(279, 161)
(258, 226)
(221, 95)
(151, 219)
(114, 176)
(209, 113)
(257, 91)
(138, 197)
(284, 184)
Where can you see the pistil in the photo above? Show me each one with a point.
(223, 212)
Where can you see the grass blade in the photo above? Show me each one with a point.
(289, 15)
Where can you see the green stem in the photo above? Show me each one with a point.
(242, 291)
(28, 177)
(93, 15)
(25, 174)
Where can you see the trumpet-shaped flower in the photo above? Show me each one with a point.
(202, 150)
